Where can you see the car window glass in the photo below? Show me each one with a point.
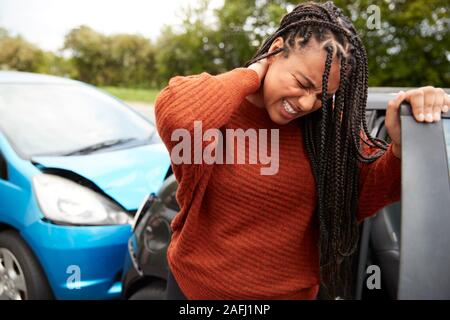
(54, 118)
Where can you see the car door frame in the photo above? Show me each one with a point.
(425, 236)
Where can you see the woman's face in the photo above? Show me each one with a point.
(293, 86)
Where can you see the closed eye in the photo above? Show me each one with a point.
(307, 87)
(299, 83)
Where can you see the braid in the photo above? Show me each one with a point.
(335, 136)
(323, 155)
(338, 173)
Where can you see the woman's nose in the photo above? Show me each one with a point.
(306, 102)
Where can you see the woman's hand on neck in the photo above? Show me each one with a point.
(260, 67)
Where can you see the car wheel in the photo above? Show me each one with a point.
(21, 276)
(154, 291)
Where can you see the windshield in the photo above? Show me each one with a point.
(446, 124)
(46, 119)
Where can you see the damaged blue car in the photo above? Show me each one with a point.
(75, 163)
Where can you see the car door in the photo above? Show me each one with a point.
(425, 225)
(409, 241)
(380, 234)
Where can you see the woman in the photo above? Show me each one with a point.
(244, 235)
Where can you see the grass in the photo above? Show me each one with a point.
(135, 95)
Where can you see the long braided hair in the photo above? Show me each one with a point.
(333, 136)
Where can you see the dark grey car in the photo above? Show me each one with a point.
(407, 242)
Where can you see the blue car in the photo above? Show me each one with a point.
(75, 164)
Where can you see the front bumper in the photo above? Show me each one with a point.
(81, 262)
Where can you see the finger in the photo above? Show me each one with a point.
(260, 67)
(416, 100)
(393, 108)
(438, 104)
(428, 101)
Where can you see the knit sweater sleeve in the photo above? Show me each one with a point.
(380, 184)
(211, 99)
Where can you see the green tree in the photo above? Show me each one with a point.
(235, 39)
(410, 49)
(117, 60)
(191, 50)
(18, 54)
(132, 61)
(87, 49)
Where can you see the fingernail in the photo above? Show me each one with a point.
(421, 117)
(437, 116)
(429, 117)
(445, 108)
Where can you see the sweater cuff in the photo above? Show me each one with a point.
(393, 166)
(392, 160)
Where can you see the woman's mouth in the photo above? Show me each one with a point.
(288, 110)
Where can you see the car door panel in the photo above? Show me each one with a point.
(425, 239)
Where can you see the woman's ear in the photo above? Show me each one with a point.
(276, 44)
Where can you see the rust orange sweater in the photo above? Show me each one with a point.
(240, 234)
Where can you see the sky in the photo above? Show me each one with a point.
(46, 22)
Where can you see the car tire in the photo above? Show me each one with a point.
(153, 291)
(19, 257)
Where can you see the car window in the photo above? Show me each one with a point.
(42, 119)
(446, 125)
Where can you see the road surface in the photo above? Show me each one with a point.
(144, 108)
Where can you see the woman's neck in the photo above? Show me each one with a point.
(256, 98)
